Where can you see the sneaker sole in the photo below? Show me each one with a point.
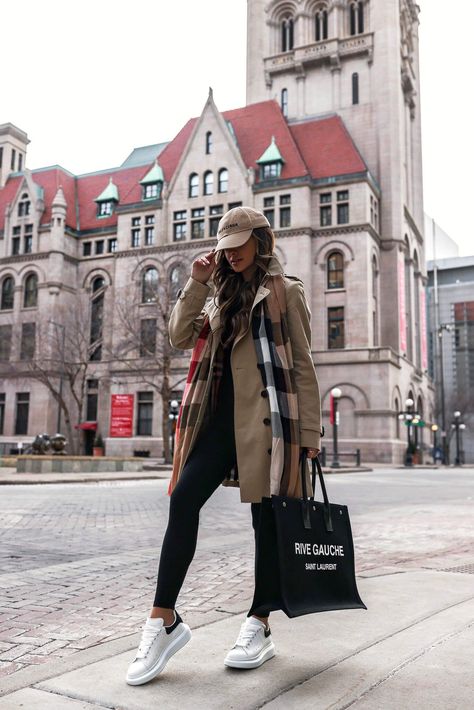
(263, 656)
(178, 643)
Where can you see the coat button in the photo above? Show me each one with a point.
(264, 393)
(267, 421)
(269, 451)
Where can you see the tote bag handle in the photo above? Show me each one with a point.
(316, 466)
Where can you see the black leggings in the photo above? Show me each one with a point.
(212, 457)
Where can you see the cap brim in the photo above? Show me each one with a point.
(234, 240)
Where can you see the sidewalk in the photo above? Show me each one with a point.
(9, 476)
(411, 648)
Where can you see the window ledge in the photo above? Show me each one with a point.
(335, 290)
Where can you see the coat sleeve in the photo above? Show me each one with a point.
(307, 386)
(187, 316)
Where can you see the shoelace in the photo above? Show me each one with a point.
(148, 636)
(246, 635)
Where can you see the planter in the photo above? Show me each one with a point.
(97, 451)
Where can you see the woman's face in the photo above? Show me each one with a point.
(242, 258)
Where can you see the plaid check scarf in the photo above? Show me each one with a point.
(275, 363)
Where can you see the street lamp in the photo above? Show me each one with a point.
(410, 418)
(335, 395)
(63, 341)
(458, 426)
(434, 429)
(173, 416)
(448, 327)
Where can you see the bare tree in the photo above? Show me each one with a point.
(62, 362)
(141, 344)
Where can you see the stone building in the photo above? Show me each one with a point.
(450, 301)
(328, 146)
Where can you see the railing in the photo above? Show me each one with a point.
(333, 48)
(325, 454)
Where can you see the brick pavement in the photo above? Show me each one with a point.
(78, 562)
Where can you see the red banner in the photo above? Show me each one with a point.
(424, 349)
(121, 415)
(331, 408)
(402, 322)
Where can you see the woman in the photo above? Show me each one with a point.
(250, 403)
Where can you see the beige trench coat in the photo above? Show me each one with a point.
(253, 438)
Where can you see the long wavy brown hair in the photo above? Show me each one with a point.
(233, 294)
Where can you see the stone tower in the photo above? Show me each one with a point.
(360, 59)
(13, 142)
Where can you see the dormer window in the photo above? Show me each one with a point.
(152, 183)
(270, 162)
(208, 142)
(24, 205)
(104, 209)
(107, 200)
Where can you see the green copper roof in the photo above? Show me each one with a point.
(153, 175)
(272, 154)
(110, 193)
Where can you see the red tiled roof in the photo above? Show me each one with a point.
(170, 156)
(254, 127)
(50, 181)
(319, 148)
(90, 186)
(327, 147)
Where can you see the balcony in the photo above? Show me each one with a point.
(318, 52)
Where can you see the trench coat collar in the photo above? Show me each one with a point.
(274, 268)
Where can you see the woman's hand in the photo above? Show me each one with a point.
(203, 267)
(312, 453)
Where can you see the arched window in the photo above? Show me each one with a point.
(355, 88)
(150, 285)
(356, 18)
(223, 180)
(321, 25)
(335, 270)
(97, 319)
(397, 420)
(208, 183)
(8, 294)
(287, 32)
(177, 280)
(284, 102)
(208, 142)
(193, 185)
(30, 291)
(97, 284)
(24, 205)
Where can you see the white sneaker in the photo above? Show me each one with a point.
(157, 645)
(253, 647)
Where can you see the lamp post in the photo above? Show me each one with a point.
(444, 439)
(173, 416)
(410, 418)
(335, 395)
(458, 426)
(63, 342)
(434, 429)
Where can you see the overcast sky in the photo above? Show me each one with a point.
(90, 81)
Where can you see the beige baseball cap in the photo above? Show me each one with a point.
(237, 225)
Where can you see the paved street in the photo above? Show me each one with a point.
(78, 561)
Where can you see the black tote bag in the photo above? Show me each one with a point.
(304, 559)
